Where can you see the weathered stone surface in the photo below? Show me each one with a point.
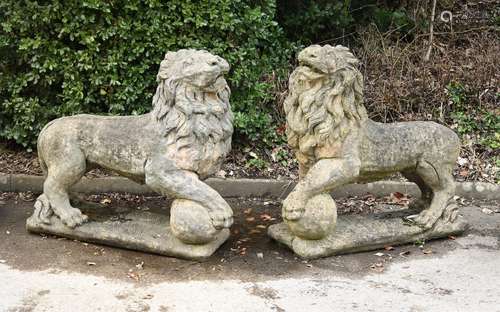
(355, 233)
(183, 139)
(131, 229)
(190, 222)
(318, 220)
(336, 144)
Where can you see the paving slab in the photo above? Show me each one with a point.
(357, 233)
(249, 272)
(131, 229)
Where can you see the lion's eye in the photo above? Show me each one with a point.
(214, 63)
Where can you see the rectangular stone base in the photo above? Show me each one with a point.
(355, 233)
(137, 230)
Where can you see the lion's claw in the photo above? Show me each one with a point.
(293, 207)
(72, 217)
(292, 215)
(426, 219)
(222, 217)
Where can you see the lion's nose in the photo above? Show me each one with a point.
(224, 65)
(221, 63)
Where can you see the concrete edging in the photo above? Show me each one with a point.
(245, 187)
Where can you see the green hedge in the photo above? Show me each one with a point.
(101, 56)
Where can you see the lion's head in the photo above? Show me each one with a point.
(191, 104)
(325, 100)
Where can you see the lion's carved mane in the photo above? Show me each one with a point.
(323, 109)
(193, 121)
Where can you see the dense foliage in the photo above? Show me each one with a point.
(326, 21)
(101, 56)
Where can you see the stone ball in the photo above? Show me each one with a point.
(319, 218)
(190, 222)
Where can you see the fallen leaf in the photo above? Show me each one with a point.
(261, 226)
(487, 211)
(106, 201)
(404, 253)
(427, 251)
(379, 254)
(140, 266)
(399, 198)
(255, 232)
(133, 275)
(463, 173)
(452, 237)
(462, 161)
(388, 248)
(221, 174)
(91, 263)
(378, 267)
(398, 195)
(265, 217)
(260, 255)
(368, 200)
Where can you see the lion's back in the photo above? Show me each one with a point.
(409, 141)
(114, 142)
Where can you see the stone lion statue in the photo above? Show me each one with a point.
(336, 143)
(183, 139)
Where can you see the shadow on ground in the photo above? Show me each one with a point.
(249, 255)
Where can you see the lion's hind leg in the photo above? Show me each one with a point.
(426, 192)
(61, 175)
(439, 178)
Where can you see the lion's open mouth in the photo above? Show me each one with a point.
(215, 84)
(308, 71)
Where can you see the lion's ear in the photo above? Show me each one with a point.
(346, 55)
(163, 71)
(166, 66)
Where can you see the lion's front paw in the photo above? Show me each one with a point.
(72, 217)
(294, 206)
(221, 215)
(427, 218)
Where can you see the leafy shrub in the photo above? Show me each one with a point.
(314, 21)
(332, 22)
(64, 57)
(470, 121)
